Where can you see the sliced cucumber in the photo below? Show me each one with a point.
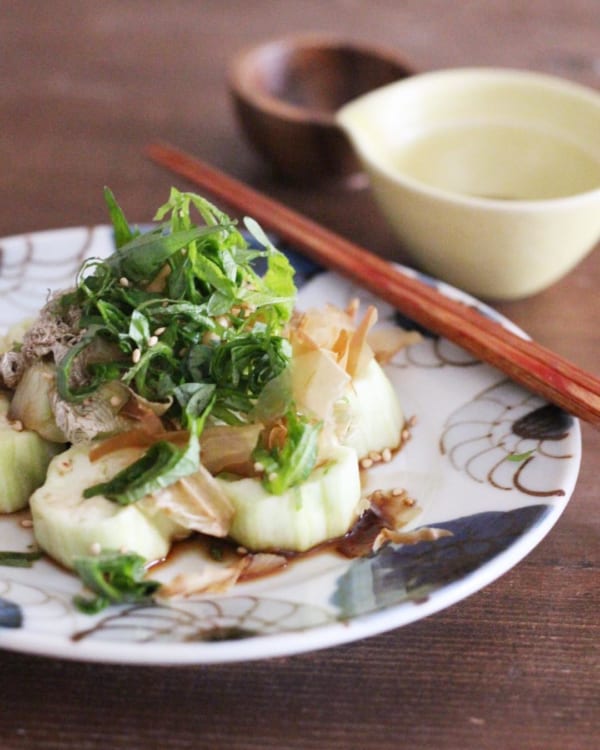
(24, 458)
(67, 525)
(322, 507)
(375, 415)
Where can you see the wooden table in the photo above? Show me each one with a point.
(84, 86)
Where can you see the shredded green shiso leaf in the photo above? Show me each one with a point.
(113, 578)
(19, 559)
(219, 323)
(194, 326)
(291, 464)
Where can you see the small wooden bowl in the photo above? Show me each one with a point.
(286, 93)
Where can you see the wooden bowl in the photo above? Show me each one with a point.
(286, 93)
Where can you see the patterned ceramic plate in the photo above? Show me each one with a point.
(488, 461)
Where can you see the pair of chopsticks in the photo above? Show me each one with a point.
(522, 360)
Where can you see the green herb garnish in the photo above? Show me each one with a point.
(184, 314)
(518, 457)
(291, 464)
(19, 559)
(114, 578)
(218, 320)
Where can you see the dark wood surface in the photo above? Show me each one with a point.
(83, 87)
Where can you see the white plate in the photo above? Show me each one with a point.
(457, 466)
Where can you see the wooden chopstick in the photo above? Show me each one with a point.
(522, 360)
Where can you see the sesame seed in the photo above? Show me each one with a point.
(160, 331)
(398, 491)
(272, 476)
(124, 281)
(258, 467)
(27, 523)
(209, 337)
(115, 400)
(17, 425)
(386, 455)
(95, 548)
(366, 463)
(223, 321)
(375, 456)
(153, 340)
(136, 356)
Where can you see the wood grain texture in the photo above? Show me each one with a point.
(84, 87)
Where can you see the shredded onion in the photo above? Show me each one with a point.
(209, 579)
(136, 438)
(225, 447)
(196, 503)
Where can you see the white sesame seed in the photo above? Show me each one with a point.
(397, 491)
(160, 331)
(95, 548)
(272, 476)
(153, 340)
(136, 356)
(258, 467)
(27, 523)
(115, 400)
(209, 337)
(124, 281)
(366, 463)
(386, 455)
